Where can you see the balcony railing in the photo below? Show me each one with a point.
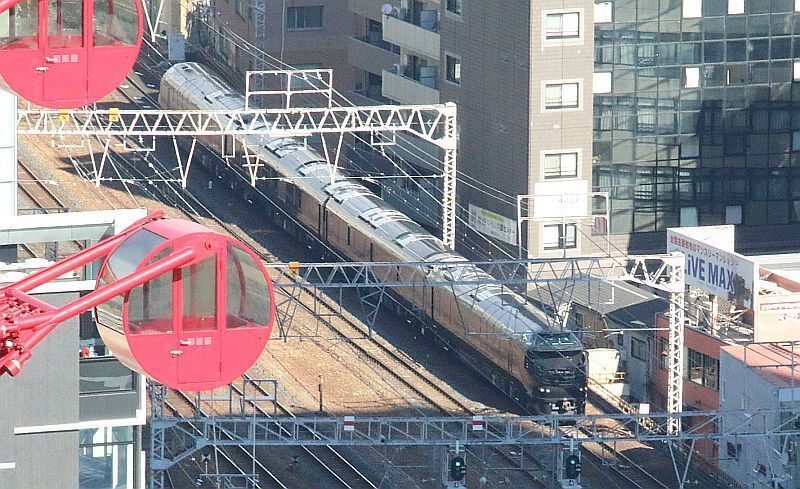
(423, 38)
(379, 43)
(405, 89)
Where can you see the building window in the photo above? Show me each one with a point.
(560, 236)
(695, 366)
(560, 165)
(735, 7)
(638, 349)
(304, 17)
(688, 216)
(663, 353)
(242, 8)
(454, 6)
(564, 25)
(561, 96)
(453, 69)
(734, 450)
(702, 369)
(106, 457)
(733, 214)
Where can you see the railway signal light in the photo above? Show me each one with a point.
(572, 466)
(458, 468)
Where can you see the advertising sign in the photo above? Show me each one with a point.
(492, 224)
(558, 200)
(711, 268)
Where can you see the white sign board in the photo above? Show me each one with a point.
(492, 224)
(557, 200)
(711, 267)
(176, 47)
(8, 154)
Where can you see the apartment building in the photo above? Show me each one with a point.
(685, 113)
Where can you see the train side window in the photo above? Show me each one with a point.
(348, 235)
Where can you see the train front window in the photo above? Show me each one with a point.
(555, 354)
(558, 341)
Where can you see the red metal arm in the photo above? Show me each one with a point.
(7, 4)
(25, 320)
(19, 345)
(86, 256)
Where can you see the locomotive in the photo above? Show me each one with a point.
(494, 330)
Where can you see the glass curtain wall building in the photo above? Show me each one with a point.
(696, 113)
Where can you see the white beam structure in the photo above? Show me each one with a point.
(67, 226)
(666, 273)
(8, 154)
(432, 123)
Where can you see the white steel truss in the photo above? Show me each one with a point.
(285, 84)
(554, 277)
(432, 123)
(666, 273)
(423, 121)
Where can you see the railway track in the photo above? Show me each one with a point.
(34, 189)
(46, 202)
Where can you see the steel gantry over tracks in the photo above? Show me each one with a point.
(553, 279)
(435, 124)
(175, 439)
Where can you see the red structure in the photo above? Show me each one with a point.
(68, 53)
(189, 307)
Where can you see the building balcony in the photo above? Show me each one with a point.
(406, 90)
(373, 56)
(423, 38)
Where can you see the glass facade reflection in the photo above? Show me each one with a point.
(702, 125)
(106, 458)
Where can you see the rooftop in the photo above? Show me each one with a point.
(777, 365)
(624, 303)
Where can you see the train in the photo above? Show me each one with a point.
(506, 339)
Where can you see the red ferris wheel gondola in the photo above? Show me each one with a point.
(189, 307)
(68, 53)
